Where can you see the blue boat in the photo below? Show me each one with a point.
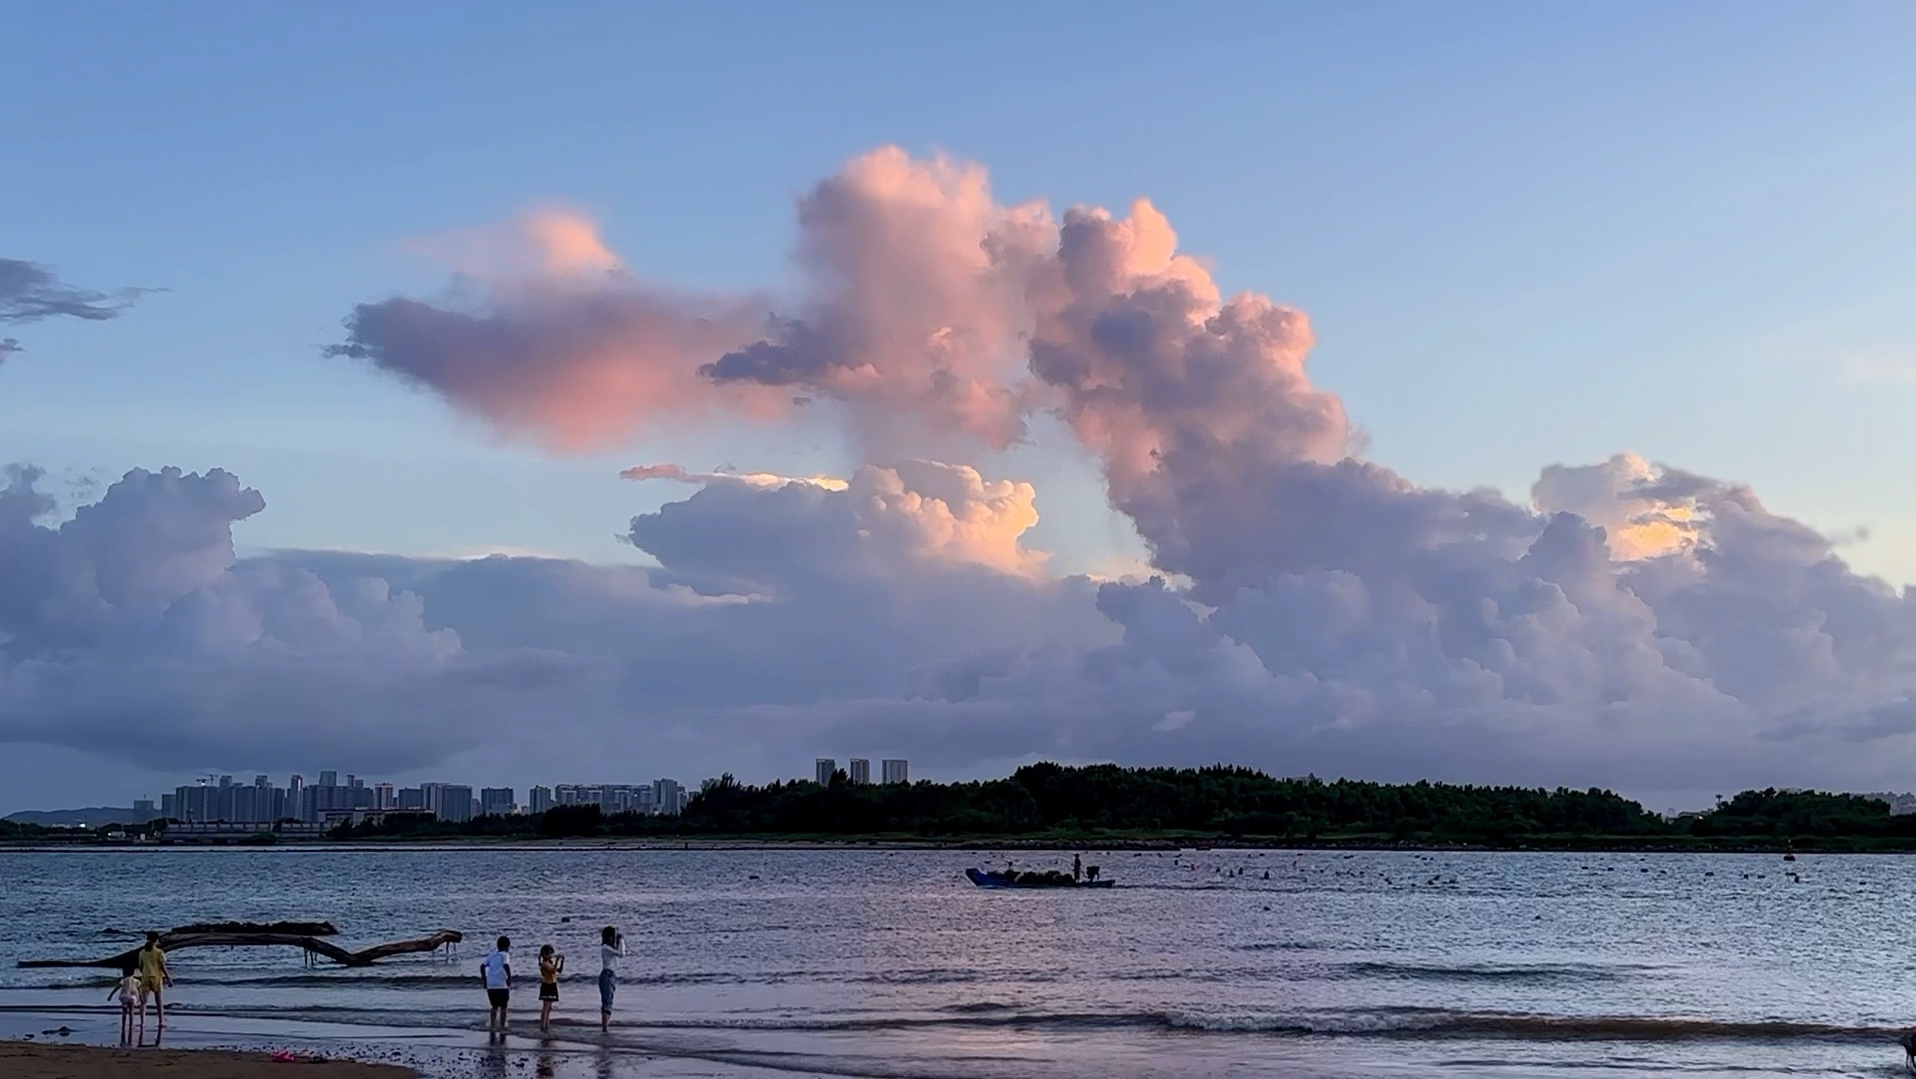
(984, 879)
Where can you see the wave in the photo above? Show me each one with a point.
(1414, 1025)
(1645, 1028)
(1385, 1023)
(397, 977)
(1490, 972)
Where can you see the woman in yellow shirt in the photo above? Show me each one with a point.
(153, 979)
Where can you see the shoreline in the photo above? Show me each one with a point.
(220, 1045)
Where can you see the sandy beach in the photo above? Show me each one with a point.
(212, 1046)
(28, 1060)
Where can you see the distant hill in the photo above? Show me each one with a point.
(91, 817)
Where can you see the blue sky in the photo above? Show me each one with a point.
(1525, 234)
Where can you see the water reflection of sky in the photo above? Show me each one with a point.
(892, 963)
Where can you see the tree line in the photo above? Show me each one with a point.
(1220, 802)
(1217, 803)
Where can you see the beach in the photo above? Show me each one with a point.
(201, 1045)
(28, 1060)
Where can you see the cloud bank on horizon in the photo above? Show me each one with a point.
(1634, 625)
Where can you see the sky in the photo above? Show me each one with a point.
(397, 288)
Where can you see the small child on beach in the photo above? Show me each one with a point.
(496, 975)
(128, 990)
(551, 965)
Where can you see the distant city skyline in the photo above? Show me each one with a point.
(223, 796)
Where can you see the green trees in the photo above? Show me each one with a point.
(1774, 814)
(1221, 801)
(570, 821)
(1218, 800)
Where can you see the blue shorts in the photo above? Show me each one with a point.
(608, 985)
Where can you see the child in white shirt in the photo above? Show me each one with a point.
(128, 990)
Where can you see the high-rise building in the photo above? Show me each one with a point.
(225, 801)
(822, 769)
(328, 779)
(449, 801)
(323, 798)
(412, 798)
(226, 781)
(495, 801)
(144, 810)
(895, 771)
(384, 797)
(169, 808)
(668, 797)
(861, 770)
(196, 803)
(193, 804)
(540, 799)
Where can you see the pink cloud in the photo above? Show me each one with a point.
(550, 337)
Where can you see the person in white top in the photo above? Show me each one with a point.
(611, 950)
(496, 975)
(128, 990)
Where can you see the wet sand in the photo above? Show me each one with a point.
(199, 1041)
(32, 1060)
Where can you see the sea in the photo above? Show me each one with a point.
(872, 962)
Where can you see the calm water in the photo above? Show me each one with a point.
(890, 963)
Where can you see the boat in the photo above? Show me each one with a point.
(1051, 879)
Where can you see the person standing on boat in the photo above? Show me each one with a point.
(611, 950)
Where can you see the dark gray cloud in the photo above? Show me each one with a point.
(30, 292)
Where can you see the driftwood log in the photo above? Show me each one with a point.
(311, 944)
(310, 929)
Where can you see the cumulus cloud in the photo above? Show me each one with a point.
(546, 334)
(724, 475)
(130, 630)
(917, 281)
(30, 292)
(1621, 496)
(1630, 623)
(900, 613)
(912, 313)
(884, 520)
